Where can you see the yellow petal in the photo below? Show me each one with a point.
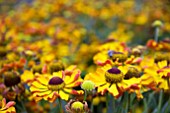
(38, 85)
(58, 74)
(51, 97)
(162, 64)
(70, 68)
(68, 79)
(124, 69)
(103, 88)
(33, 89)
(113, 90)
(64, 95)
(132, 81)
(44, 93)
(164, 85)
(43, 80)
(3, 102)
(27, 75)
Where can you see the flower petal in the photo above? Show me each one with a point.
(63, 95)
(113, 90)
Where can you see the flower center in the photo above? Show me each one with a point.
(88, 85)
(56, 83)
(3, 51)
(114, 75)
(11, 79)
(77, 107)
(118, 56)
(37, 68)
(132, 72)
(57, 66)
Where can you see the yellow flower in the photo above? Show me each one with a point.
(58, 85)
(7, 107)
(111, 79)
(158, 73)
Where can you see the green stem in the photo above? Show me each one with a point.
(145, 106)
(125, 102)
(129, 102)
(110, 103)
(85, 95)
(156, 34)
(60, 106)
(168, 82)
(160, 101)
(107, 101)
(23, 106)
(91, 106)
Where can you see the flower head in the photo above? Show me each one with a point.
(59, 85)
(11, 79)
(111, 79)
(88, 85)
(157, 23)
(75, 106)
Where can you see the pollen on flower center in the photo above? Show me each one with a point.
(114, 75)
(56, 83)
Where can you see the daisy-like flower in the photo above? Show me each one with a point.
(111, 79)
(115, 58)
(13, 85)
(160, 73)
(7, 107)
(29, 76)
(59, 85)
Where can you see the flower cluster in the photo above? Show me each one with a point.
(84, 56)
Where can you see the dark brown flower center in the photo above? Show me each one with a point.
(56, 83)
(11, 79)
(114, 71)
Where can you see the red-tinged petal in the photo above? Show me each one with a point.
(77, 75)
(51, 97)
(137, 60)
(103, 63)
(70, 69)
(9, 104)
(168, 74)
(23, 60)
(44, 69)
(77, 92)
(73, 84)
(134, 86)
